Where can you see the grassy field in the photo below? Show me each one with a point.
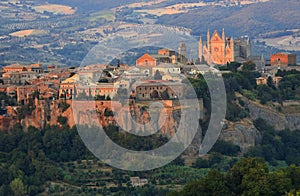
(108, 15)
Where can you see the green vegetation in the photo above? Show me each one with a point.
(55, 161)
(249, 176)
(277, 146)
(63, 106)
(62, 120)
(105, 14)
(8, 99)
(133, 142)
(29, 159)
(244, 81)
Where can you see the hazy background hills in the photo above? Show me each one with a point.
(38, 30)
(253, 19)
(249, 20)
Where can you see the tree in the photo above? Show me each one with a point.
(165, 95)
(249, 177)
(108, 98)
(18, 187)
(280, 183)
(270, 82)
(62, 120)
(226, 148)
(213, 184)
(249, 66)
(157, 75)
(233, 66)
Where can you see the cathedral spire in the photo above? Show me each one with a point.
(208, 40)
(208, 36)
(223, 34)
(232, 48)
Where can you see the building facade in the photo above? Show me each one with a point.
(242, 48)
(155, 89)
(217, 50)
(283, 59)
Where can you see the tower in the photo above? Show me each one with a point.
(182, 49)
(232, 49)
(182, 53)
(223, 35)
(200, 48)
(208, 41)
(248, 45)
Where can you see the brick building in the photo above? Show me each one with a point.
(24, 93)
(152, 60)
(21, 68)
(283, 59)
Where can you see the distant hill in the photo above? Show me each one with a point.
(92, 5)
(249, 20)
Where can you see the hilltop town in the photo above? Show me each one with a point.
(37, 95)
(96, 96)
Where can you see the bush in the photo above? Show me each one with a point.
(226, 148)
(63, 106)
(62, 120)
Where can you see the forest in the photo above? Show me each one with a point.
(54, 160)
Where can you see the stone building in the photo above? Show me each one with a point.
(263, 80)
(21, 68)
(166, 52)
(166, 68)
(158, 89)
(24, 93)
(242, 48)
(18, 78)
(66, 88)
(182, 53)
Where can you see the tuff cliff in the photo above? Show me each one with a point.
(137, 116)
(242, 133)
(94, 113)
(279, 120)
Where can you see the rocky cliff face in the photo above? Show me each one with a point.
(134, 117)
(243, 134)
(38, 117)
(272, 117)
(137, 117)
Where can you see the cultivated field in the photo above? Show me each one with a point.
(185, 7)
(55, 9)
(27, 32)
(108, 15)
(288, 42)
(143, 4)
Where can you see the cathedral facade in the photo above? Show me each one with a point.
(217, 50)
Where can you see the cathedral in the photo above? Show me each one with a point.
(217, 50)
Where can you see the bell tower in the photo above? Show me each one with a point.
(208, 41)
(200, 50)
(182, 53)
